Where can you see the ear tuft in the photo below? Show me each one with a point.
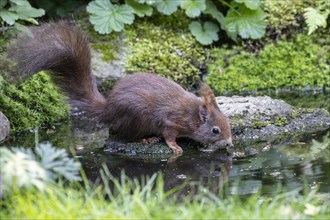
(208, 95)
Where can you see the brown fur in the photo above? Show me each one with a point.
(139, 106)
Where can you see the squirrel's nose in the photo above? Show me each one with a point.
(229, 143)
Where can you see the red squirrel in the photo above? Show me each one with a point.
(140, 106)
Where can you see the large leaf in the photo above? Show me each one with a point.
(25, 11)
(140, 9)
(107, 17)
(212, 10)
(252, 4)
(193, 8)
(167, 7)
(8, 16)
(248, 23)
(206, 34)
(315, 19)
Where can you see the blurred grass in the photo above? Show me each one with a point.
(129, 199)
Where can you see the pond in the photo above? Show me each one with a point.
(242, 171)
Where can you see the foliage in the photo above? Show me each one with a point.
(206, 34)
(283, 14)
(107, 17)
(317, 17)
(159, 48)
(131, 199)
(32, 103)
(286, 14)
(22, 168)
(56, 8)
(108, 50)
(295, 64)
(243, 16)
(247, 22)
(13, 10)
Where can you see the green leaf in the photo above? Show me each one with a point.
(167, 7)
(148, 2)
(8, 16)
(21, 3)
(248, 23)
(57, 163)
(193, 8)
(140, 9)
(315, 19)
(107, 17)
(206, 34)
(212, 10)
(251, 4)
(26, 12)
(3, 4)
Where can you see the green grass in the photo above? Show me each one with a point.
(131, 200)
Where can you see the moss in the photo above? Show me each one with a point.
(295, 64)
(32, 103)
(259, 124)
(280, 121)
(284, 14)
(108, 50)
(165, 49)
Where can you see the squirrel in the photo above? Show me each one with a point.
(140, 106)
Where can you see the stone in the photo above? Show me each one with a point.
(4, 127)
(113, 69)
(263, 119)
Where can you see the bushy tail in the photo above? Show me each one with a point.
(61, 48)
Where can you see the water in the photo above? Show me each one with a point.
(278, 169)
(293, 166)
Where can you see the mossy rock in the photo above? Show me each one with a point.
(297, 64)
(32, 103)
(265, 120)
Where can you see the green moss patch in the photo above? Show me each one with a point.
(295, 64)
(108, 50)
(164, 49)
(32, 103)
(284, 14)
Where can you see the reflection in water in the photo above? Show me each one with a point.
(208, 169)
(270, 172)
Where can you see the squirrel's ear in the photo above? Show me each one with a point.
(208, 96)
(203, 113)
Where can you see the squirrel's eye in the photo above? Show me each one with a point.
(216, 130)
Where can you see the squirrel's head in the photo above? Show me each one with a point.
(214, 127)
